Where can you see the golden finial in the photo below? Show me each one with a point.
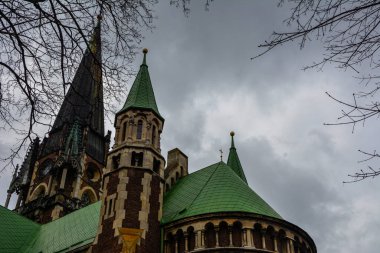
(145, 50)
(232, 133)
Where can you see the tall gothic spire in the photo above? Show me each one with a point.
(83, 104)
(84, 99)
(234, 161)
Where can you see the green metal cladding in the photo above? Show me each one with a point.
(214, 189)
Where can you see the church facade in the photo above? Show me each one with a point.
(75, 194)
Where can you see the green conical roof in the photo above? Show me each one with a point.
(214, 189)
(141, 95)
(233, 160)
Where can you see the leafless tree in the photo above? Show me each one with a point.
(350, 33)
(41, 44)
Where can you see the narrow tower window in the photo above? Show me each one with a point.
(154, 135)
(156, 165)
(124, 131)
(116, 161)
(139, 129)
(137, 159)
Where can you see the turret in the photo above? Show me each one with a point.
(134, 177)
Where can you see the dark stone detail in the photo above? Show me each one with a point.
(133, 202)
(21, 181)
(40, 209)
(151, 244)
(106, 240)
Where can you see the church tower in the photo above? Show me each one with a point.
(134, 177)
(68, 170)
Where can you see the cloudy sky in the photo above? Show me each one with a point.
(206, 85)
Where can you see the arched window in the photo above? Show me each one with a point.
(210, 235)
(137, 159)
(154, 135)
(180, 241)
(92, 172)
(182, 172)
(172, 181)
(167, 188)
(170, 244)
(45, 168)
(176, 176)
(116, 161)
(88, 197)
(223, 235)
(39, 192)
(124, 131)
(296, 245)
(237, 237)
(269, 238)
(257, 236)
(139, 129)
(281, 241)
(190, 239)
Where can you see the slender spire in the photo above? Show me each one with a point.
(141, 94)
(234, 161)
(84, 99)
(83, 102)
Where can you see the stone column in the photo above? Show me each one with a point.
(63, 179)
(196, 246)
(77, 185)
(244, 243)
(186, 242)
(291, 246)
(262, 234)
(287, 245)
(50, 184)
(230, 235)
(216, 237)
(249, 237)
(275, 244)
(202, 244)
(130, 128)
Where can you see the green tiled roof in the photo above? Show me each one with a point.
(234, 161)
(18, 234)
(69, 232)
(216, 188)
(141, 94)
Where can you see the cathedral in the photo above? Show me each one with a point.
(75, 193)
